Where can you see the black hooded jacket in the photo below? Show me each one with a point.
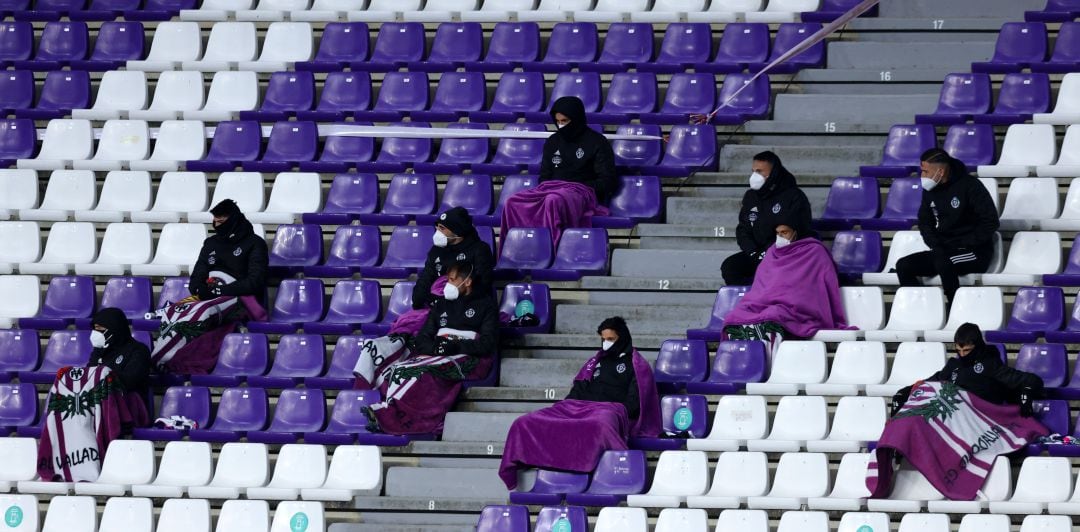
(476, 312)
(779, 201)
(982, 373)
(578, 154)
(236, 250)
(439, 259)
(959, 213)
(126, 357)
(613, 379)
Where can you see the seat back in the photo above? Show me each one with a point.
(300, 411)
(801, 475)
(740, 418)
(800, 418)
(682, 361)
(408, 247)
(503, 518)
(23, 296)
(128, 462)
(525, 249)
(906, 143)
(858, 419)
(917, 308)
(916, 360)
(296, 245)
(858, 363)
(799, 362)
(739, 361)
(676, 520)
(612, 519)
(628, 43)
(299, 466)
(857, 252)
(619, 473)
(184, 515)
(742, 520)
(185, 463)
(965, 93)
(740, 474)
(243, 516)
(298, 301)
(973, 144)
(983, 306)
(241, 409)
(1033, 252)
(1029, 145)
(192, 402)
(801, 521)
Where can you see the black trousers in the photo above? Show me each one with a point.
(949, 264)
(739, 269)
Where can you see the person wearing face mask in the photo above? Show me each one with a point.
(795, 293)
(773, 196)
(577, 176)
(114, 347)
(455, 240)
(420, 382)
(234, 249)
(613, 398)
(975, 404)
(957, 220)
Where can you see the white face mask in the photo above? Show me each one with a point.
(451, 292)
(781, 241)
(756, 181)
(97, 339)
(439, 239)
(606, 344)
(927, 183)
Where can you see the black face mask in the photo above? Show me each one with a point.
(226, 227)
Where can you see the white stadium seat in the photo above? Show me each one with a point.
(172, 44)
(612, 519)
(239, 466)
(1068, 163)
(997, 487)
(752, 470)
(903, 243)
(553, 11)
(499, 10)
(183, 464)
(984, 523)
(384, 10)
(243, 516)
(679, 474)
(229, 93)
(127, 462)
(27, 506)
(123, 193)
(798, 477)
(783, 11)
(794, 365)
(738, 419)
(984, 306)
(298, 466)
(184, 515)
(122, 141)
(856, 422)
(803, 522)
(914, 309)
(441, 10)
(865, 310)
(1042, 480)
(721, 11)
(924, 523)
(120, 91)
(910, 493)
(216, 10)
(289, 515)
(612, 11)
(127, 514)
(123, 245)
(849, 492)
(855, 364)
(65, 141)
(245, 188)
(743, 521)
(354, 470)
(178, 141)
(69, 243)
(676, 520)
(1026, 147)
(273, 10)
(1046, 523)
(913, 361)
(862, 521)
(1030, 201)
(174, 93)
(668, 11)
(1069, 507)
(798, 419)
(71, 514)
(22, 298)
(1070, 212)
(18, 191)
(285, 43)
(67, 192)
(178, 193)
(177, 250)
(22, 244)
(20, 461)
(228, 45)
(1067, 109)
(1031, 255)
(293, 194)
(328, 10)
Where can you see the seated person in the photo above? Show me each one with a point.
(773, 196)
(952, 425)
(420, 382)
(613, 399)
(957, 220)
(89, 407)
(795, 292)
(227, 283)
(577, 175)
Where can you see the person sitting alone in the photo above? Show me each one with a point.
(227, 283)
(419, 381)
(953, 424)
(613, 399)
(577, 175)
(795, 292)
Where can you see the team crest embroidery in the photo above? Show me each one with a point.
(75, 373)
(442, 216)
(211, 260)
(954, 376)
(120, 359)
(442, 320)
(776, 209)
(580, 153)
(557, 159)
(461, 256)
(470, 313)
(978, 367)
(753, 215)
(236, 252)
(621, 368)
(955, 202)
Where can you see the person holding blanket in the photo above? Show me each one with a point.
(419, 381)
(577, 175)
(952, 425)
(795, 292)
(227, 283)
(613, 399)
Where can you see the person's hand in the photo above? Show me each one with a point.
(898, 401)
(446, 347)
(1027, 402)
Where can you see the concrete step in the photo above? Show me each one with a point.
(868, 132)
(1013, 9)
(819, 159)
(680, 288)
(438, 448)
(671, 321)
(664, 264)
(507, 393)
(440, 483)
(539, 373)
(478, 427)
(584, 340)
(911, 56)
(709, 181)
(498, 407)
(443, 500)
(871, 108)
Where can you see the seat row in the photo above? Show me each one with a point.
(972, 144)
(1022, 97)
(1025, 45)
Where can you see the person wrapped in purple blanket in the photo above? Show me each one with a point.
(613, 398)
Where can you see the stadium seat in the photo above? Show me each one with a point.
(407, 197)
(341, 153)
(229, 44)
(668, 11)
(1026, 147)
(297, 356)
(297, 411)
(244, 516)
(292, 194)
(1068, 163)
(192, 402)
(511, 45)
(681, 361)
(690, 148)
(230, 94)
(515, 95)
(118, 93)
(400, 302)
(456, 154)
(239, 466)
(21, 466)
(60, 44)
(354, 470)
(857, 421)
(352, 303)
(24, 244)
(924, 522)
(69, 243)
(384, 11)
(983, 306)
(612, 519)
(1042, 480)
(513, 155)
(796, 421)
(273, 10)
(738, 419)
(963, 95)
(1020, 96)
(525, 250)
(126, 463)
(788, 36)
(287, 94)
(341, 42)
(245, 188)
(183, 464)
(19, 192)
(798, 477)
(128, 513)
(64, 141)
(339, 373)
(913, 361)
(855, 365)
(1029, 201)
(736, 363)
(61, 92)
(579, 252)
(679, 474)
(234, 143)
(64, 348)
(17, 87)
(856, 253)
(397, 44)
(684, 45)
(177, 141)
(123, 193)
(996, 487)
(550, 487)
(66, 299)
(503, 518)
(18, 408)
(240, 410)
(906, 143)
(1055, 11)
(67, 192)
(569, 46)
(850, 200)
(910, 493)
(1019, 45)
(855, 521)
(1048, 361)
(350, 195)
(617, 474)
(752, 471)
(1032, 254)
(18, 41)
(124, 245)
(457, 95)
(914, 310)
(75, 514)
(298, 466)
(353, 248)
(903, 243)
(901, 205)
(1069, 334)
(1035, 310)
(782, 11)
(291, 515)
(347, 420)
(626, 45)
(184, 515)
(794, 365)
(1045, 523)
(673, 520)
(610, 11)
(285, 43)
(726, 299)
(629, 95)
(177, 194)
(688, 93)
(298, 301)
(21, 354)
(849, 492)
(121, 142)
(172, 44)
(17, 141)
(742, 520)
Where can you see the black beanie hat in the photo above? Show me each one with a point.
(227, 207)
(457, 220)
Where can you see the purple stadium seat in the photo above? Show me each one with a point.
(973, 144)
(473, 192)
(401, 92)
(788, 36)
(20, 348)
(856, 253)
(8, 6)
(341, 44)
(350, 195)
(192, 402)
(297, 356)
(741, 45)
(684, 413)
(617, 474)
(297, 411)
(503, 519)
(67, 298)
(63, 91)
(690, 148)
(1071, 275)
(510, 45)
(1049, 361)
(130, 294)
(626, 46)
(397, 154)
(1019, 45)
(1066, 56)
(343, 94)
(550, 487)
(524, 249)
(629, 94)
(353, 303)
(240, 411)
(65, 348)
(18, 406)
(234, 142)
(686, 94)
(726, 298)
(50, 9)
(290, 143)
(901, 206)
(1021, 96)
(580, 252)
(570, 45)
(296, 246)
(850, 200)
(405, 254)
(455, 44)
(831, 10)
(408, 196)
(398, 43)
(339, 375)
(60, 44)
(116, 43)
(1035, 311)
(680, 362)
(540, 297)
(347, 418)
(516, 94)
(685, 45)
(160, 10)
(750, 104)
(457, 154)
(511, 185)
(353, 247)
(16, 41)
(515, 155)
(298, 301)
(1071, 333)
(736, 363)
(962, 95)
(17, 140)
(584, 85)
(631, 154)
(1055, 11)
(906, 143)
(638, 199)
(287, 93)
(173, 289)
(559, 518)
(242, 355)
(400, 302)
(457, 95)
(1054, 415)
(341, 153)
(105, 9)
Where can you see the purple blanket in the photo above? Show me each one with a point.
(796, 287)
(556, 205)
(950, 436)
(410, 322)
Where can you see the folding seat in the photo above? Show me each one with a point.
(686, 94)
(353, 247)
(341, 43)
(183, 464)
(1070, 333)
(1048, 361)
(298, 466)
(996, 487)
(669, 11)
(788, 36)
(1019, 44)
(398, 44)
(297, 411)
(515, 297)
(906, 143)
(499, 10)
(924, 522)
(525, 249)
(617, 474)
(512, 155)
(1055, 11)
(123, 193)
(503, 518)
(408, 196)
(570, 45)
(298, 301)
(849, 492)
(1035, 311)
(742, 520)
(798, 477)
(343, 94)
(797, 420)
(457, 95)
(856, 521)
(736, 363)
(235, 142)
(902, 203)
(631, 94)
(21, 465)
(297, 356)
(553, 11)
(782, 11)
(16, 91)
(1029, 201)
(173, 43)
(511, 45)
(856, 253)
(16, 143)
(983, 306)
(610, 11)
(1031, 255)
(65, 348)
(911, 492)
(354, 470)
(121, 142)
(64, 141)
(1042, 480)
(128, 513)
(192, 402)
(456, 154)
(60, 44)
(512, 184)
(963, 95)
(850, 200)
(175, 93)
(1021, 96)
(285, 43)
(287, 94)
(384, 11)
(68, 191)
(159, 10)
(690, 148)
(350, 195)
(230, 94)
(857, 421)
(399, 303)
(738, 107)
(75, 514)
(66, 299)
(752, 471)
(273, 10)
(61, 92)
(631, 155)
(1026, 147)
(296, 246)
(340, 153)
(684, 46)
(245, 188)
(913, 361)
(20, 348)
(24, 244)
(216, 10)
(1067, 164)
(914, 310)
(855, 365)
(398, 154)
(550, 487)
(904, 243)
(1046, 523)
(178, 192)
(69, 243)
(612, 519)
(17, 43)
(240, 466)
(455, 44)
(18, 407)
(339, 374)
(741, 45)
(583, 85)
(579, 252)
(738, 419)
(126, 463)
(726, 299)
(242, 355)
(177, 141)
(681, 361)
(672, 520)
(679, 474)
(184, 515)
(794, 365)
(626, 45)
(515, 95)
(116, 44)
(329, 11)
(401, 93)
(290, 144)
(118, 93)
(124, 245)
(246, 516)
(241, 410)
(347, 419)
